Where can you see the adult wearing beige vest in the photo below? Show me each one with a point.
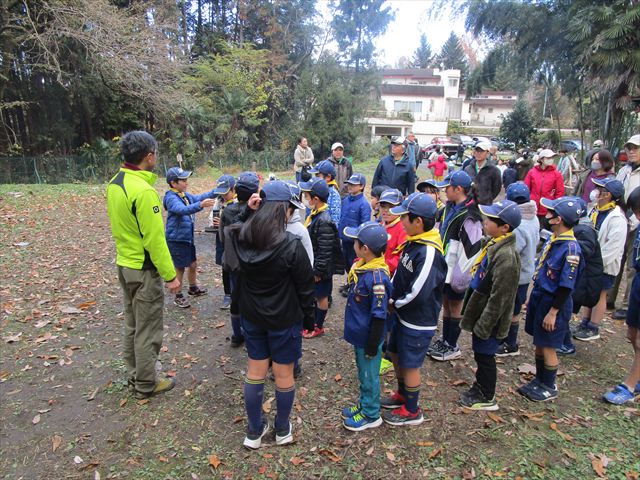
(303, 157)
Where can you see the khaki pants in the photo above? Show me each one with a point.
(626, 270)
(143, 308)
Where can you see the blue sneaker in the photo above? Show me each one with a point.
(523, 389)
(619, 395)
(541, 393)
(348, 412)
(566, 350)
(360, 422)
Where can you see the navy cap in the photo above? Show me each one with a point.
(357, 179)
(518, 192)
(225, 183)
(506, 210)
(613, 186)
(176, 173)
(420, 204)
(459, 178)
(371, 234)
(427, 183)
(568, 209)
(391, 196)
(249, 181)
(583, 206)
(324, 167)
(317, 187)
(279, 191)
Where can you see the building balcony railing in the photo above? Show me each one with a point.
(409, 116)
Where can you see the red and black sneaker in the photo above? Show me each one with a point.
(402, 416)
(393, 401)
(316, 332)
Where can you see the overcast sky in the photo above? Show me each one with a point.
(411, 19)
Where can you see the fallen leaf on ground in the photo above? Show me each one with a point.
(369, 452)
(495, 418)
(77, 460)
(296, 460)
(330, 454)
(266, 406)
(526, 369)
(214, 461)
(36, 419)
(338, 377)
(84, 305)
(457, 383)
(219, 325)
(569, 454)
(70, 310)
(123, 402)
(535, 417)
(56, 441)
(144, 401)
(565, 436)
(391, 457)
(93, 394)
(429, 383)
(12, 338)
(434, 453)
(596, 463)
(424, 444)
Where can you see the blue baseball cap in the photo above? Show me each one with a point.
(317, 187)
(518, 192)
(391, 196)
(506, 210)
(459, 178)
(371, 234)
(176, 173)
(420, 204)
(248, 181)
(583, 206)
(357, 179)
(568, 209)
(613, 186)
(427, 183)
(225, 183)
(279, 191)
(324, 167)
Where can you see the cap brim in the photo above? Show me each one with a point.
(395, 204)
(314, 170)
(598, 182)
(296, 203)
(351, 232)
(352, 183)
(305, 186)
(548, 203)
(399, 210)
(443, 184)
(489, 211)
(186, 174)
(221, 191)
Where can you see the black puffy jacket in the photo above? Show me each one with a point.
(275, 287)
(327, 252)
(589, 284)
(487, 181)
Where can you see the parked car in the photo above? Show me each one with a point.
(448, 148)
(502, 144)
(571, 145)
(465, 140)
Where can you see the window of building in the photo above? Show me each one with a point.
(507, 96)
(490, 110)
(432, 105)
(405, 106)
(453, 82)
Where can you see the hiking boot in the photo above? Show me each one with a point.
(254, 440)
(447, 353)
(620, 314)
(226, 303)
(361, 422)
(619, 395)
(181, 301)
(316, 332)
(506, 350)
(474, 399)
(196, 291)
(586, 334)
(236, 341)
(348, 412)
(162, 385)
(566, 350)
(402, 416)
(284, 437)
(541, 393)
(395, 400)
(385, 366)
(436, 346)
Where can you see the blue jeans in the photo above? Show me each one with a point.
(369, 376)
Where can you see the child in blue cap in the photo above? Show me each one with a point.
(550, 303)
(416, 299)
(365, 317)
(327, 172)
(489, 304)
(181, 207)
(226, 192)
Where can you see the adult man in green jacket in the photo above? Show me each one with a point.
(143, 259)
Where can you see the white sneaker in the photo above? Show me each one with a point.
(254, 440)
(446, 354)
(284, 437)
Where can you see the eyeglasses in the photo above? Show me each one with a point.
(631, 148)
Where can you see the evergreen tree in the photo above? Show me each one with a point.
(423, 56)
(518, 126)
(452, 56)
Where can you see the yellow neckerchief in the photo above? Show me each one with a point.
(393, 223)
(181, 195)
(313, 213)
(598, 209)
(432, 237)
(439, 204)
(333, 183)
(360, 266)
(233, 200)
(563, 237)
(483, 252)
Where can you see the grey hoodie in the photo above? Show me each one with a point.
(296, 228)
(527, 239)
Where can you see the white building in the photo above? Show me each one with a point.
(425, 100)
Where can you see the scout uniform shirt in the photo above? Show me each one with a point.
(559, 264)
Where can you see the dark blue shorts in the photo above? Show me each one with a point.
(486, 347)
(451, 294)
(540, 303)
(521, 298)
(608, 281)
(633, 311)
(410, 345)
(282, 346)
(183, 254)
(323, 288)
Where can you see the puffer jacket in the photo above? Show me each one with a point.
(327, 252)
(275, 287)
(489, 309)
(487, 181)
(527, 239)
(354, 211)
(344, 170)
(589, 284)
(612, 236)
(180, 215)
(547, 183)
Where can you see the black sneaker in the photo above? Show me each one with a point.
(620, 314)
(181, 301)
(506, 350)
(474, 399)
(197, 291)
(393, 401)
(236, 341)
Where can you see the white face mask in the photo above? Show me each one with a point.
(305, 202)
(596, 165)
(548, 161)
(594, 195)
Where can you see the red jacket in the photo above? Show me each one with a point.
(439, 166)
(397, 236)
(547, 183)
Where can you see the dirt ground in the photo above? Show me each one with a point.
(65, 411)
